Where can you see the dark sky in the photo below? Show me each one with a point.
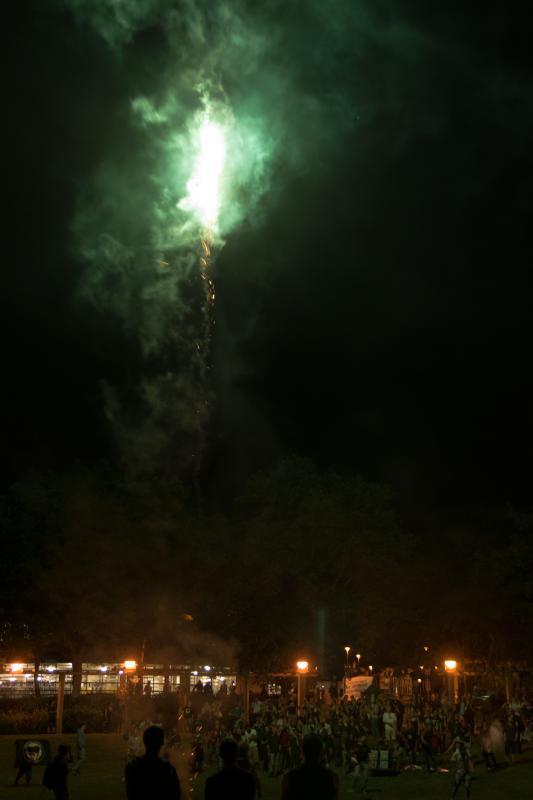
(373, 314)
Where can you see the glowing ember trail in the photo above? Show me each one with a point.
(203, 200)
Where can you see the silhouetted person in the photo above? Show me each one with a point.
(311, 781)
(149, 777)
(24, 771)
(232, 782)
(59, 773)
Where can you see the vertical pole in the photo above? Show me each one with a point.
(246, 697)
(299, 696)
(185, 687)
(60, 703)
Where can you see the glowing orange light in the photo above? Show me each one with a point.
(451, 664)
(302, 666)
(131, 664)
(17, 667)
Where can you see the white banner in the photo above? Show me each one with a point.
(354, 687)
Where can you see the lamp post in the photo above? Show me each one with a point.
(346, 667)
(358, 657)
(450, 665)
(302, 668)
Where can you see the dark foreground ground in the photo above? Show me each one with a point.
(102, 778)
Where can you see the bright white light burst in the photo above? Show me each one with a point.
(203, 187)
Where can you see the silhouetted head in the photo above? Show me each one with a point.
(228, 751)
(312, 747)
(153, 739)
(62, 750)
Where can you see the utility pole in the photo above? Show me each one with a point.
(60, 703)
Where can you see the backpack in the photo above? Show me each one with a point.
(50, 776)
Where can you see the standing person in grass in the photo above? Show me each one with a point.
(311, 781)
(231, 782)
(390, 723)
(81, 752)
(362, 769)
(150, 777)
(56, 774)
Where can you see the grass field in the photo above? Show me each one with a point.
(101, 778)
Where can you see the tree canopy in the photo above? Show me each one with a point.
(302, 563)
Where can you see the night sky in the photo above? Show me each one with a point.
(373, 307)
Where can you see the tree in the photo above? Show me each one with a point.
(304, 545)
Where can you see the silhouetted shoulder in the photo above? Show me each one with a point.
(310, 783)
(230, 784)
(152, 779)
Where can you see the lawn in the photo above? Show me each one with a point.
(101, 778)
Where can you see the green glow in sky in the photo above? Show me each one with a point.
(203, 187)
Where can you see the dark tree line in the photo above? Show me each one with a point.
(302, 562)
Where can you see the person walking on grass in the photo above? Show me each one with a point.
(463, 769)
(24, 771)
(486, 748)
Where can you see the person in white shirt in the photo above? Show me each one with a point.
(390, 722)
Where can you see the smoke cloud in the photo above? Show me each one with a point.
(277, 77)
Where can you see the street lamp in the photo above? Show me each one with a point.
(347, 651)
(302, 667)
(450, 665)
(358, 657)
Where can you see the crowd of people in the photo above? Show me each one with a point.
(374, 733)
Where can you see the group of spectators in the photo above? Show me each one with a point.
(376, 732)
